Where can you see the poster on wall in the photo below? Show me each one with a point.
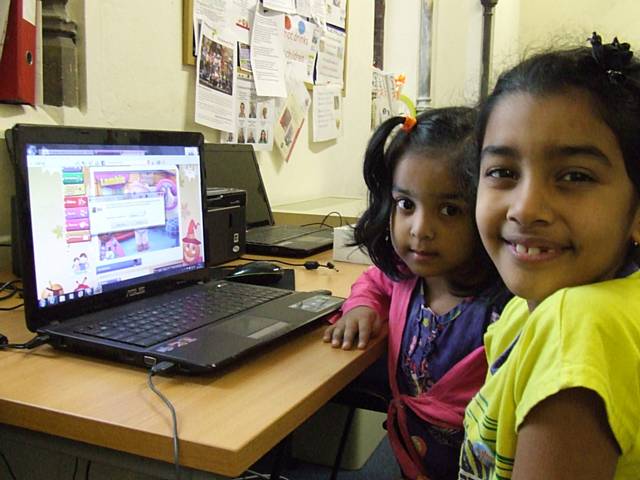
(330, 63)
(267, 54)
(301, 39)
(285, 6)
(336, 12)
(326, 112)
(215, 81)
(291, 119)
(314, 9)
(382, 91)
(254, 119)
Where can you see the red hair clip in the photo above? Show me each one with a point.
(409, 123)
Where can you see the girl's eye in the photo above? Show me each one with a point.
(577, 177)
(450, 210)
(500, 173)
(404, 203)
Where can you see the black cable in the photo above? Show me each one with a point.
(75, 469)
(309, 264)
(158, 368)
(86, 471)
(323, 223)
(6, 462)
(11, 288)
(8, 309)
(33, 343)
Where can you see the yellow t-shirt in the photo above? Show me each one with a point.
(587, 336)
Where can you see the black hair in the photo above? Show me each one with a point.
(444, 131)
(608, 74)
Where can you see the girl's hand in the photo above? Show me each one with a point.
(362, 323)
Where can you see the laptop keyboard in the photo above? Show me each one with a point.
(154, 325)
(280, 233)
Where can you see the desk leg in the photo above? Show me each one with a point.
(282, 453)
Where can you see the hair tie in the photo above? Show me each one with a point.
(613, 58)
(409, 123)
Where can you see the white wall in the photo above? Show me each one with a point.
(135, 77)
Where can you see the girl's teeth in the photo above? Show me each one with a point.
(529, 251)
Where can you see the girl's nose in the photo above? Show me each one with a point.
(529, 204)
(422, 228)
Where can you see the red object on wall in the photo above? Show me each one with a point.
(18, 62)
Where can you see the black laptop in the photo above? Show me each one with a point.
(113, 252)
(231, 165)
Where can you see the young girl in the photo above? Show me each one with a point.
(558, 211)
(432, 281)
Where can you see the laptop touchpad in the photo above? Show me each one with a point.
(254, 327)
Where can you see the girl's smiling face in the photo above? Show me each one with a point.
(555, 206)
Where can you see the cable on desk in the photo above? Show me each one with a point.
(309, 264)
(323, 223)
(159, 368)
(10, 288)
(8, 309)
(33, 343)
(6, 462)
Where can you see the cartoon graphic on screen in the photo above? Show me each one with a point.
(110, 247)
(84, 262)
(191, 245)
(53, 290)
(82, 285)
(147, 199)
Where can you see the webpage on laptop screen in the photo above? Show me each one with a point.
(108, 217)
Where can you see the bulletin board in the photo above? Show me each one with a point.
(262, 65)
(188, 38)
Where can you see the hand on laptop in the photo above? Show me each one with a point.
(356, 327)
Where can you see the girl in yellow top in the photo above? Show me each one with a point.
(558, 211)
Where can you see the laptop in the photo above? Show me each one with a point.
(231, 165)
(113, 252)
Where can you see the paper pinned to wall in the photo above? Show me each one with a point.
(330, 63)
(326, 112)
(254, 121)
(301, 39)
(215, 81)
(267, 54)
(315, 9)
(291, 118)
(214, 13)
(241, 13)
(382, 91)
(286, 6)
(336, 12)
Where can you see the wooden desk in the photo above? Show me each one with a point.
(227, 421)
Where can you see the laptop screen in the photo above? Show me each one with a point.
(109, 217)
(230, 165)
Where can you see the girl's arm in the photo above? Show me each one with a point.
(360, 323)
(566, 436)
(363, 312)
